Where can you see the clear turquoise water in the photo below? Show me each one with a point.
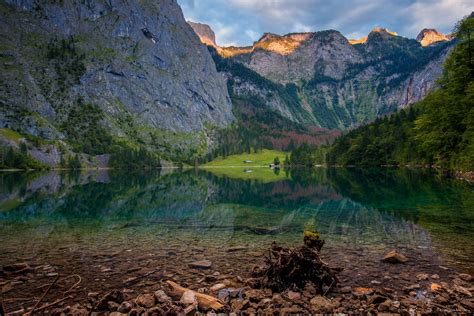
(107, 210)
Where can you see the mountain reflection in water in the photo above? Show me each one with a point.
(379, 207)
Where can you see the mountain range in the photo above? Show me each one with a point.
(340, 83)
(95, 79)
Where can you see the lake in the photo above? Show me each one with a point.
(111, 226)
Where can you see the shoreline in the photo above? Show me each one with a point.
(419, 285)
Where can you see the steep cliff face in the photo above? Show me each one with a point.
(137, 62)
(391, 72)
(290, 63)
(341, 83)
(205, 33)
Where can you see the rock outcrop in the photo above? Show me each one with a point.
(205, 33)
(431, 36)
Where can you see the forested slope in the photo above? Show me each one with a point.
(437, 131)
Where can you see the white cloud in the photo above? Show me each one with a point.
(440, 14)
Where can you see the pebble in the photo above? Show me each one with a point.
(385, 306)
(255, 295)
(466, 277)
(201, 264)
(363, 291)
(217, 287)
(410, 288)
(239, 305)
(188, 297)
(346, 289)
(294, 296)
(161, 296)
(145, 300)
(125, 307)
(435, 287)
(321, 303)
(422, 276)
(112, 306)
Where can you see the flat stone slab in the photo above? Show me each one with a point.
(201, 264)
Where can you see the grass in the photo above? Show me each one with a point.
(261, 158)
(10, 134)
(262, 174)
(234, 166)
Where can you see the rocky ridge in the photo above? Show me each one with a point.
(341, 83)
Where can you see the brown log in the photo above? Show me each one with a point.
(205, 302)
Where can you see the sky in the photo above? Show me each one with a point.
(241, 22)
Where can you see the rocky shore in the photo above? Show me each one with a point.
(392, 287)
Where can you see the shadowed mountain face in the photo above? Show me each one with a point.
(339, 83)
(138, 62)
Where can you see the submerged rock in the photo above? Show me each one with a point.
(394, 257)
(237, 248)
(201, 264)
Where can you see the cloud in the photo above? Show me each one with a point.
(243, 21)
(442, 13)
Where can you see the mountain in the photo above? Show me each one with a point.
(337, 83)
(431, 36)
(125, 83)
(438, 131)
(93, 75)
